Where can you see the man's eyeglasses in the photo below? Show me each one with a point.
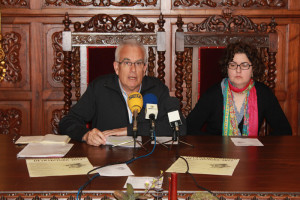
(243, 66)
(129, 64)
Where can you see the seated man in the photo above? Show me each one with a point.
(104, 103)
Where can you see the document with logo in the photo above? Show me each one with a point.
(58, 166)
(204, 165)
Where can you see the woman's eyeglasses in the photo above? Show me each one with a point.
(243, 66)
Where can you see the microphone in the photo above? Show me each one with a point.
(151, 110)
(150, 105)
(135, 103)
(172, 108)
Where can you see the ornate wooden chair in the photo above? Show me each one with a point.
(216, 32)
(105, 31)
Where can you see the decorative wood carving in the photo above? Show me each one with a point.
(57, 68)
(151, 62)
(263, 52)
(11, 46)
(223, 40)
(112, 39)
(161, 54)
(179, 66)
(187, 63)
(76, 71)
(222, 23)
(183, 195)
(161, 66)
(10, 121)
(271, 70)
(67, 71)
(2, 57)
(264, 3)
(67, 81)
(161, 23)
(57, 115)
(179, 77)
(106, 24)
(231, 3)
(200, 3)
(102, 3)
(14, 3)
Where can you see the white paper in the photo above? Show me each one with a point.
(115, 170)
(29, 139)
(49, 138)
(122, 141)
(246, 142)
(44, 150)
(140, 182)
(164, 140)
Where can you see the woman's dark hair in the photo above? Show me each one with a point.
(252, 54)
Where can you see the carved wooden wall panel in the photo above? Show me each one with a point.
(53, 114)
(15, 117)
(15, 3)
(33, 27)
(54, 69)
(16, 47)
(281, 76)
(102, 3)
(235, 4)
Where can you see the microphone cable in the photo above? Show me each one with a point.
(199, 186)
(79, 193)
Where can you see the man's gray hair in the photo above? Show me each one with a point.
(130, 42)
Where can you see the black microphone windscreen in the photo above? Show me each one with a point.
(171, 104)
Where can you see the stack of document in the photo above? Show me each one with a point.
(42, 150)
(49, 138)
(44, 146)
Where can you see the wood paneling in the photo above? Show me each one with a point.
(39, 91)
(15, 117)
(16, 47)
(293, 74)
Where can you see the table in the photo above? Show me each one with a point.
(262, 172)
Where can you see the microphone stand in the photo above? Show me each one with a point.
(152, 128)
(134, 129)
(175, 136)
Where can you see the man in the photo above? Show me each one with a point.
(104, 103)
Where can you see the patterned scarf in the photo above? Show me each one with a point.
(230, 125)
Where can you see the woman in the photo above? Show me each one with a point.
(238, 105)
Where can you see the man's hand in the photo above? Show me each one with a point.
(116, 131)
(94, 137)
